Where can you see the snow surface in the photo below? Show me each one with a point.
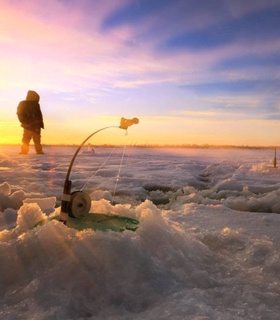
(207, 246)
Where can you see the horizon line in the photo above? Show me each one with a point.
(160, 146)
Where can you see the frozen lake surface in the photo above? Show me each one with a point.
(207, 246)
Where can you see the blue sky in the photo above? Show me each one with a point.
(193, 72)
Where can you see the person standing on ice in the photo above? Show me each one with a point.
(31, 119)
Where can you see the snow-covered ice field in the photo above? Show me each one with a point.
(207, 246)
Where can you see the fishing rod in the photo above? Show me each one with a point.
(77, 204)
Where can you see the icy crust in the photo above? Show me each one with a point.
(58, 272)
(207, 247)
(244, 188)
(177, 265)
(11, 205)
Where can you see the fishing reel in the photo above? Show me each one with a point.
(80, 204)
(74, 204)
(77, 204)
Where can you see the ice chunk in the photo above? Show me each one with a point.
(5, 189)
(46, 204)
(29, 215)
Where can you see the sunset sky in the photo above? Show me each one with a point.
(192, 71)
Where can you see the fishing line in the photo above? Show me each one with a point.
(102, 165)
(118, 175)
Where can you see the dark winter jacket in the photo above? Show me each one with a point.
(29, 112)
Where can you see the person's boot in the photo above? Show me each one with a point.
(24, 149)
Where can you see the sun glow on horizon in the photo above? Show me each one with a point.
(151, 131)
